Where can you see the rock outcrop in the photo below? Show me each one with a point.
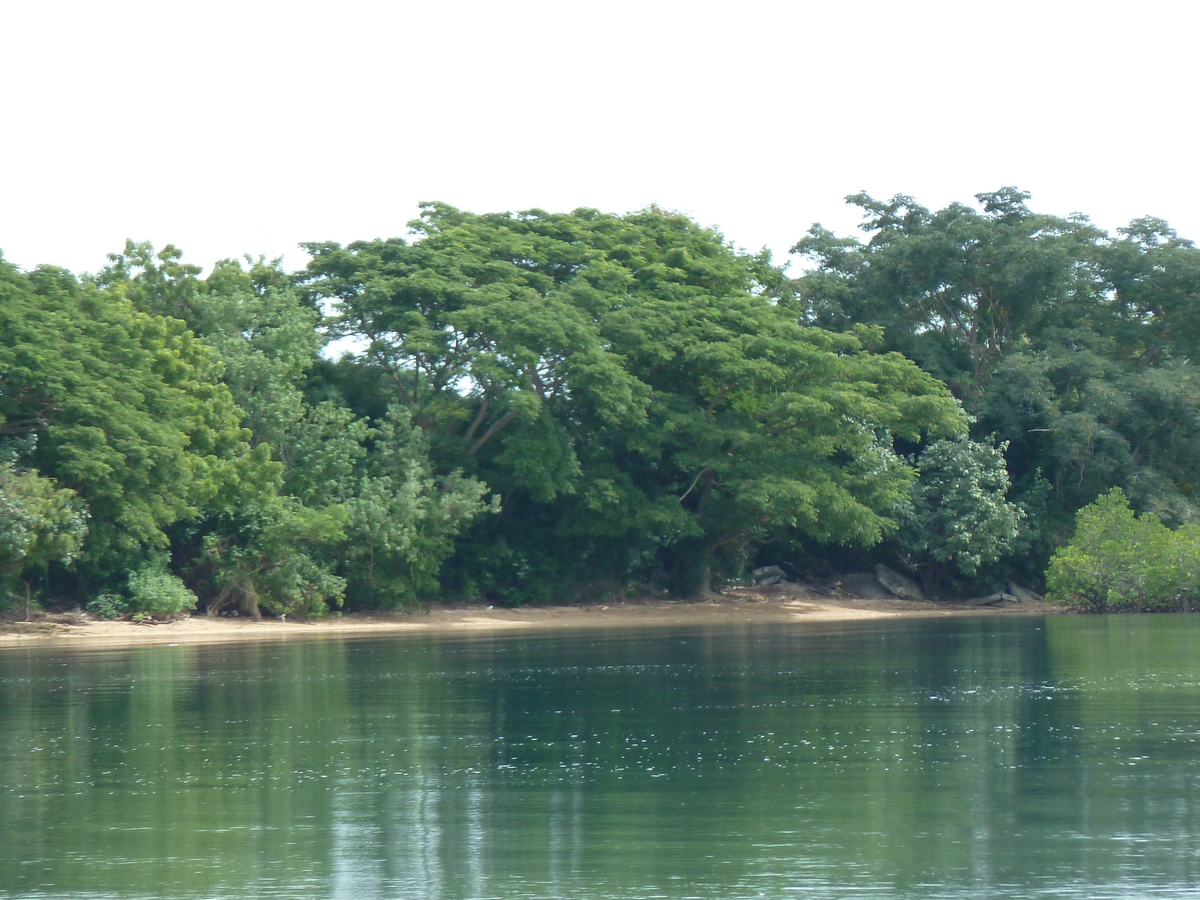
(768, 575)
(900, 585)
(865, 585)
(1024, 595)
(998, 597)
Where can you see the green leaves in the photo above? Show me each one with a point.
(1117, 561)
(634, 379)
(482, 326)
(1072, 347)
(269, 554)
(40, 523)
(957, 288)
(401, 520)
(960, 516)
(375, 518)
(128, 408)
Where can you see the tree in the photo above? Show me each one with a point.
(1071, 347)
(40, 524)
(128, 409)
(960, 518)
(954, 289)
(1152, 276)
(1118, 561)
(269, 341)
(402, 520)
(366, 504)
(490, 304)
(267, 555)
(636, 389)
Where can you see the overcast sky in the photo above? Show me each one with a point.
(235, 127)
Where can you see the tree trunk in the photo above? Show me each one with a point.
(251, 602)
(931, 579)
(691, 573)
(217, 603)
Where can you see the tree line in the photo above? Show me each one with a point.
(539, 407)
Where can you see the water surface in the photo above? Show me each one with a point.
(942, 759)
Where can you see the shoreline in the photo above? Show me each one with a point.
(783, 604)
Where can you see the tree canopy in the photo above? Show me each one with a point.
(1071, 346)
(634, 388)
(532, 406)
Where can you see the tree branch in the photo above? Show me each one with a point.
(717, 399)
(495, 426)
(483, 408)
(692, 486)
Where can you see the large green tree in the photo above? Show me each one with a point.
(1071, 346)
(637, 390)
(41, 525)
(955, 289)
(128, 410)
(345, 510)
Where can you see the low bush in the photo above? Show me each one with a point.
(1120, 562)
(108, 606)
(158, 594)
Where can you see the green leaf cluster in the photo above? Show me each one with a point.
(638, 391)
(175, 425)
(292, 550)
(128, 410)
(539, 406)
(1120, 562)
(1072, 347)
(40, 523)
(960, 517)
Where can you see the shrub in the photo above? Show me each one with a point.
(158, 594)
(108, 606)
(959, 518)
(1119, 562)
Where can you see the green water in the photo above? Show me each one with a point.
(968, 758)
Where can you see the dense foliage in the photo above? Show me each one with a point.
(1071, 348)
(1120, 562)
(540, 406)
(960, 519)
(638, 393)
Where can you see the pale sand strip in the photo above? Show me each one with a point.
(789, 604)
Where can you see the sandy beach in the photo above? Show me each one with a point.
(785, 603)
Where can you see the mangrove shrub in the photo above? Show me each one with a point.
(1121, 562)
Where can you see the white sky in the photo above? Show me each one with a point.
(234, 127)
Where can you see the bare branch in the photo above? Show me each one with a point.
(483, 408)
(692, 486)
(495, 426)
(717, 399)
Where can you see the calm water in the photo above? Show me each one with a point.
(968, 758)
